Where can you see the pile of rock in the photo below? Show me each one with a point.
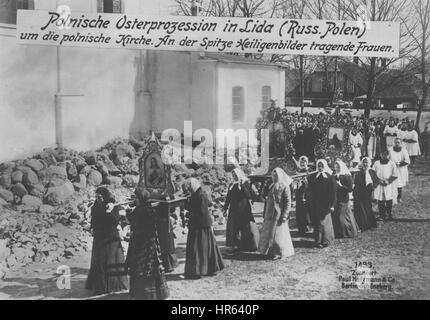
(45, 200)
(53, 176)
(35, 237)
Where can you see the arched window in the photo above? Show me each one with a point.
(8, 9)
(266, 94)
(109, 6)
(238, 113)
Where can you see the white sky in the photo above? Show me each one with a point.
(162, 6)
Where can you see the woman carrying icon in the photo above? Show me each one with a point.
(275, 240)
(365, 182)
(145, 267)
(321, 199)
(242, 232)
(344, 223)
(203, 257)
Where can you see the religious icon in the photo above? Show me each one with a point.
(154, 171)
(335, 138)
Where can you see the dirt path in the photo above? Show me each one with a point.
(398, 250)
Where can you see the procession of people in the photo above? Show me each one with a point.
(331, 203)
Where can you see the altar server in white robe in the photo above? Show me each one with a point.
(402, 134)
(399, 155)
(371, 142)
(386, 191)
(356, 141)
(412, 143)
(391, 132)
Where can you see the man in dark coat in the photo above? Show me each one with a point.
(301, 143)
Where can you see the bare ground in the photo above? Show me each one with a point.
(399, 248)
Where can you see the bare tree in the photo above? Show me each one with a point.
(419, 32)
(225, 8)
(229, 8)
(380, 10)
(319, 9)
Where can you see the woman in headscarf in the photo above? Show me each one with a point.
(303, 219)
(321, 197)
(275, 241)
(344, 223)
(145, 267)
(203, 257)
(365, 182)
(242, 232)
(107, 272)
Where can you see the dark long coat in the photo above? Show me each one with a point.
(363, 200)
(321, 196)
(107, 272)
(203, 257)
(241, 229)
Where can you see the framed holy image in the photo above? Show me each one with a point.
(154, 171)
(335, 138)
(155, 175)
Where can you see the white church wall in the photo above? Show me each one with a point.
(252, 78)
(28, 83)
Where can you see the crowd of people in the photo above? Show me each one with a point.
(322, 204)
(367, 138)
(143, 270)
(382, 154)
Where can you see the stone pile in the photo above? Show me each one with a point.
(53, 176)
(45, 200)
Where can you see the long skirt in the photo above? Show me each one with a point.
(244, 236)
(249, 237)
(167, 244)
(363, 213)
(231, 232)
(275, 240)
(323, 231)
(203, 257)
(302, 217)
(344, 223)
(147, 279)
(371, 147)
(107, 272)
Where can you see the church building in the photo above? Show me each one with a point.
(109, 93)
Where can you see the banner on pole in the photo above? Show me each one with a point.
(211, 34)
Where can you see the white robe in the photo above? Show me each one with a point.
(356, 142)
(390, 139)
(371, 146)
(402, 172)
(412, 147)
(384, 172)
(402, 135)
